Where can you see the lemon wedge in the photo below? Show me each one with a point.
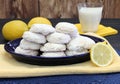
(101, 54)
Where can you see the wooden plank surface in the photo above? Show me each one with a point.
(5, 6)
(18, 8)
(111, 9)
(69, 8)
(52, 8)
(59, 8)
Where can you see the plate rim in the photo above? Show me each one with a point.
(18, 56)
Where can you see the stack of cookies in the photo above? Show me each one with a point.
(34, 39)
(63, 40)
(57, 41)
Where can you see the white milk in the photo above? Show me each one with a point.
(90, 18)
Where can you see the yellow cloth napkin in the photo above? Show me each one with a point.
(9, 67)
(102, 30)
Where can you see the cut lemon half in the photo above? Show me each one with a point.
(101, 54)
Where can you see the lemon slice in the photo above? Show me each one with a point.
(101, 54)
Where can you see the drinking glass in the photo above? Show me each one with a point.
(90, 15)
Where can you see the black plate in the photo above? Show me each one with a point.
(37, 60)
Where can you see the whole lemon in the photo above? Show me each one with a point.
(39, 20)
(14, 29)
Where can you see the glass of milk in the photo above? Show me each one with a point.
(90, 15)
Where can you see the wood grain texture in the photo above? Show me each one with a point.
(52, 8)
(59, 8)
(5, 8)
(24, 8)
(117, 8)
(69, 8)
(94, 0)
(18, 8)
(111, 9)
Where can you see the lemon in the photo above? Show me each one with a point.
(101, 54)
(14, 29)
(39, 20)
